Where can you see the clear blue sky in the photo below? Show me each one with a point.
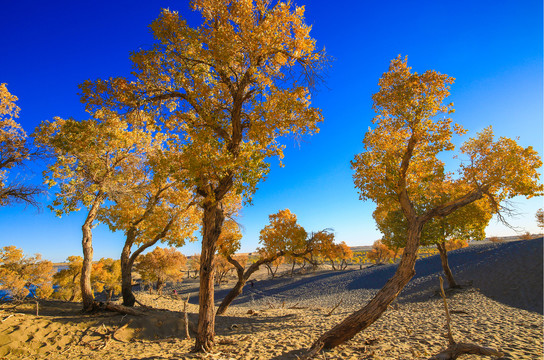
(492, 48)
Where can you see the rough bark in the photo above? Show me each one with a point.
(367, 315)
(87, 295)
(126, 274)
(213, 218)
(445, 266)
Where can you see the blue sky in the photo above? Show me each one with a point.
(493, 49)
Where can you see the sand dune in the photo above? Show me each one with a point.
(279, 318)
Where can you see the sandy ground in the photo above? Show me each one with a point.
(276, 322)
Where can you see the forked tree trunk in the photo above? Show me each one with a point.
(367, 315)
(128, 259)
(212, 223)
(87, 295)
(445, 265)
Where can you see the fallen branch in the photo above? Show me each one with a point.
(120, 309)
(334, 308)
(7, 317)
(454, 349)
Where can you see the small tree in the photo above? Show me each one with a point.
(380, 252)
(194, 264)
(20, 274)
(13, 152)
(92, 161)
(160, 209)
(282, 236)
(540, 218)
(68, 280)
(161, 266)
(107, 277)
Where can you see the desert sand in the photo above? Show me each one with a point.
(500, 306)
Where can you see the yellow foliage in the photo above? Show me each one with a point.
(161, 266)
(18, 273)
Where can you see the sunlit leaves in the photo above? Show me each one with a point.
(13, 151)
(161, 265)
(283, 234)
(217, 91)
(18, 273)
(400, 163)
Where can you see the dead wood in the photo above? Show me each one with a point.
(120, 309)
(454, 349)
(335, 307)
(186, 318)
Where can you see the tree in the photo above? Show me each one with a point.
(540, 218)
(161, 209)
(380, 252)
(106, 276)
(226, 91)
(342, 254)
(67, 280)
(93, 160)
(194, 264)
(21, 275)
(400, 163)
(282, 236)
(447, 233)
(161, 266)
(13, 152)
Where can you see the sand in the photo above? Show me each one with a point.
(280, 318)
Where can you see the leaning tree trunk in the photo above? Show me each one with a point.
(87, 295)
(445, 265)
(367, 315)
(242, 279)
(212, 223)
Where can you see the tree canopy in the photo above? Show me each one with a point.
(13, 152)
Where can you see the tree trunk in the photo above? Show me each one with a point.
(126, 275)
(445, 266)
(242, 279)
(160, 285)
(367, 315)
(212, 223)
(87, 295)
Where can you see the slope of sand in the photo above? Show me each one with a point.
(278, 319)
